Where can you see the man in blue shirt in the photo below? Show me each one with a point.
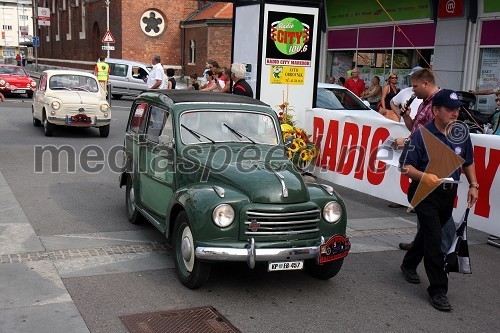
(436, 151)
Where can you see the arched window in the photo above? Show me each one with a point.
(192, 47)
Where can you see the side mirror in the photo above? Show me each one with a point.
(365, 102)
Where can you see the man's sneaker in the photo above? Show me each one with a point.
(410, 275)
(405, 246)
(440, 302)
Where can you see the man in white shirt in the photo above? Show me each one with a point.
(156, 78)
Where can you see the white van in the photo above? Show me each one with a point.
(127, 78)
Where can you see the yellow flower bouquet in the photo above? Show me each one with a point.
(300, 149)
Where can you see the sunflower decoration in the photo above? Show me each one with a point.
(300, 149)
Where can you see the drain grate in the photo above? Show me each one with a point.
(193, 320)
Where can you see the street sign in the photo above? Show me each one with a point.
(108, 38)
(108, 47)
(44, 16)
(36, 41)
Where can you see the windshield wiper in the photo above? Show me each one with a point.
(196, 134)
(238, 134)
(60, 88)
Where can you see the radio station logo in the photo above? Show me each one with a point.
(290, 39)
(290, 36)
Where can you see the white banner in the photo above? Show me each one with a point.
(349, 145)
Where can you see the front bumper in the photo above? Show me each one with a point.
(64, 121)
(251, 255)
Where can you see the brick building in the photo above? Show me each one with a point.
(140, 28)
(207, 34)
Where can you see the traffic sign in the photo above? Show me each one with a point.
(36, 41)
(108, 47)
(108, 38)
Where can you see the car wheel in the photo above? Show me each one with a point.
(191, 272)
(29, 94)
(115, 96)
(104, 131)
(325, 271)
(133, 215)
(48, 128)
(36, 122)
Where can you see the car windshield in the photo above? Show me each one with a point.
(4, 70)
(338, 99)
(73, 82)
(228, 126)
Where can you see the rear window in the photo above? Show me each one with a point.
(137, 121)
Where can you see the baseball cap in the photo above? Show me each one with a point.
(447, 98)
(414, 69)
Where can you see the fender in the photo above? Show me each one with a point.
(198, 201)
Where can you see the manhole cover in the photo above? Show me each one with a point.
(194, 320)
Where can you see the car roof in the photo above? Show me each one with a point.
(192, 96)
(67, 71)
(330, 85)
(126, 62)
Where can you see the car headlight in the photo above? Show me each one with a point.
(223, 215)
(55, 105)
(33, 83)
(2, 82)
(104, 107)
(332, 212)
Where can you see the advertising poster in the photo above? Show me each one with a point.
(489, 78)
(289, 57)
(291, 39)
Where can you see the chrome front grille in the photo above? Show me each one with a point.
(261, 223)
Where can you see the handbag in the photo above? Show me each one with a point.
(457, 259)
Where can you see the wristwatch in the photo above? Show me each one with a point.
(476, 185)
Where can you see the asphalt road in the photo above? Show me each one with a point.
(81, 209)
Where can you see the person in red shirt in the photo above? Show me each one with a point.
(355, 84)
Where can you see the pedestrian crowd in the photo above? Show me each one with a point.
(214, 79)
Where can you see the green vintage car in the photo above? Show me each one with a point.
(209, 171)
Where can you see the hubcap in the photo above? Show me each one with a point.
(131, 200)
(187, 249)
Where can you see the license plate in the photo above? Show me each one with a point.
(80, 119)
(285, 266)
(19, 91)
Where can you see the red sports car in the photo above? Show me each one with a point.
(15, 80)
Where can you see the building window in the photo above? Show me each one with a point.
(153, 23)
(7, 53)
(192, 53)
(7, 27)
(23, 17)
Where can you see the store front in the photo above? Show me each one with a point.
(362, 35)
(488, 77)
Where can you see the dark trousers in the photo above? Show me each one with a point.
(433, 212)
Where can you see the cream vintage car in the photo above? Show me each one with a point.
(70, 98)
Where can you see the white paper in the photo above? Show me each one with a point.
(450, 180)
(388, 153)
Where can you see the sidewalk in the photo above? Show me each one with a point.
(32, 295)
